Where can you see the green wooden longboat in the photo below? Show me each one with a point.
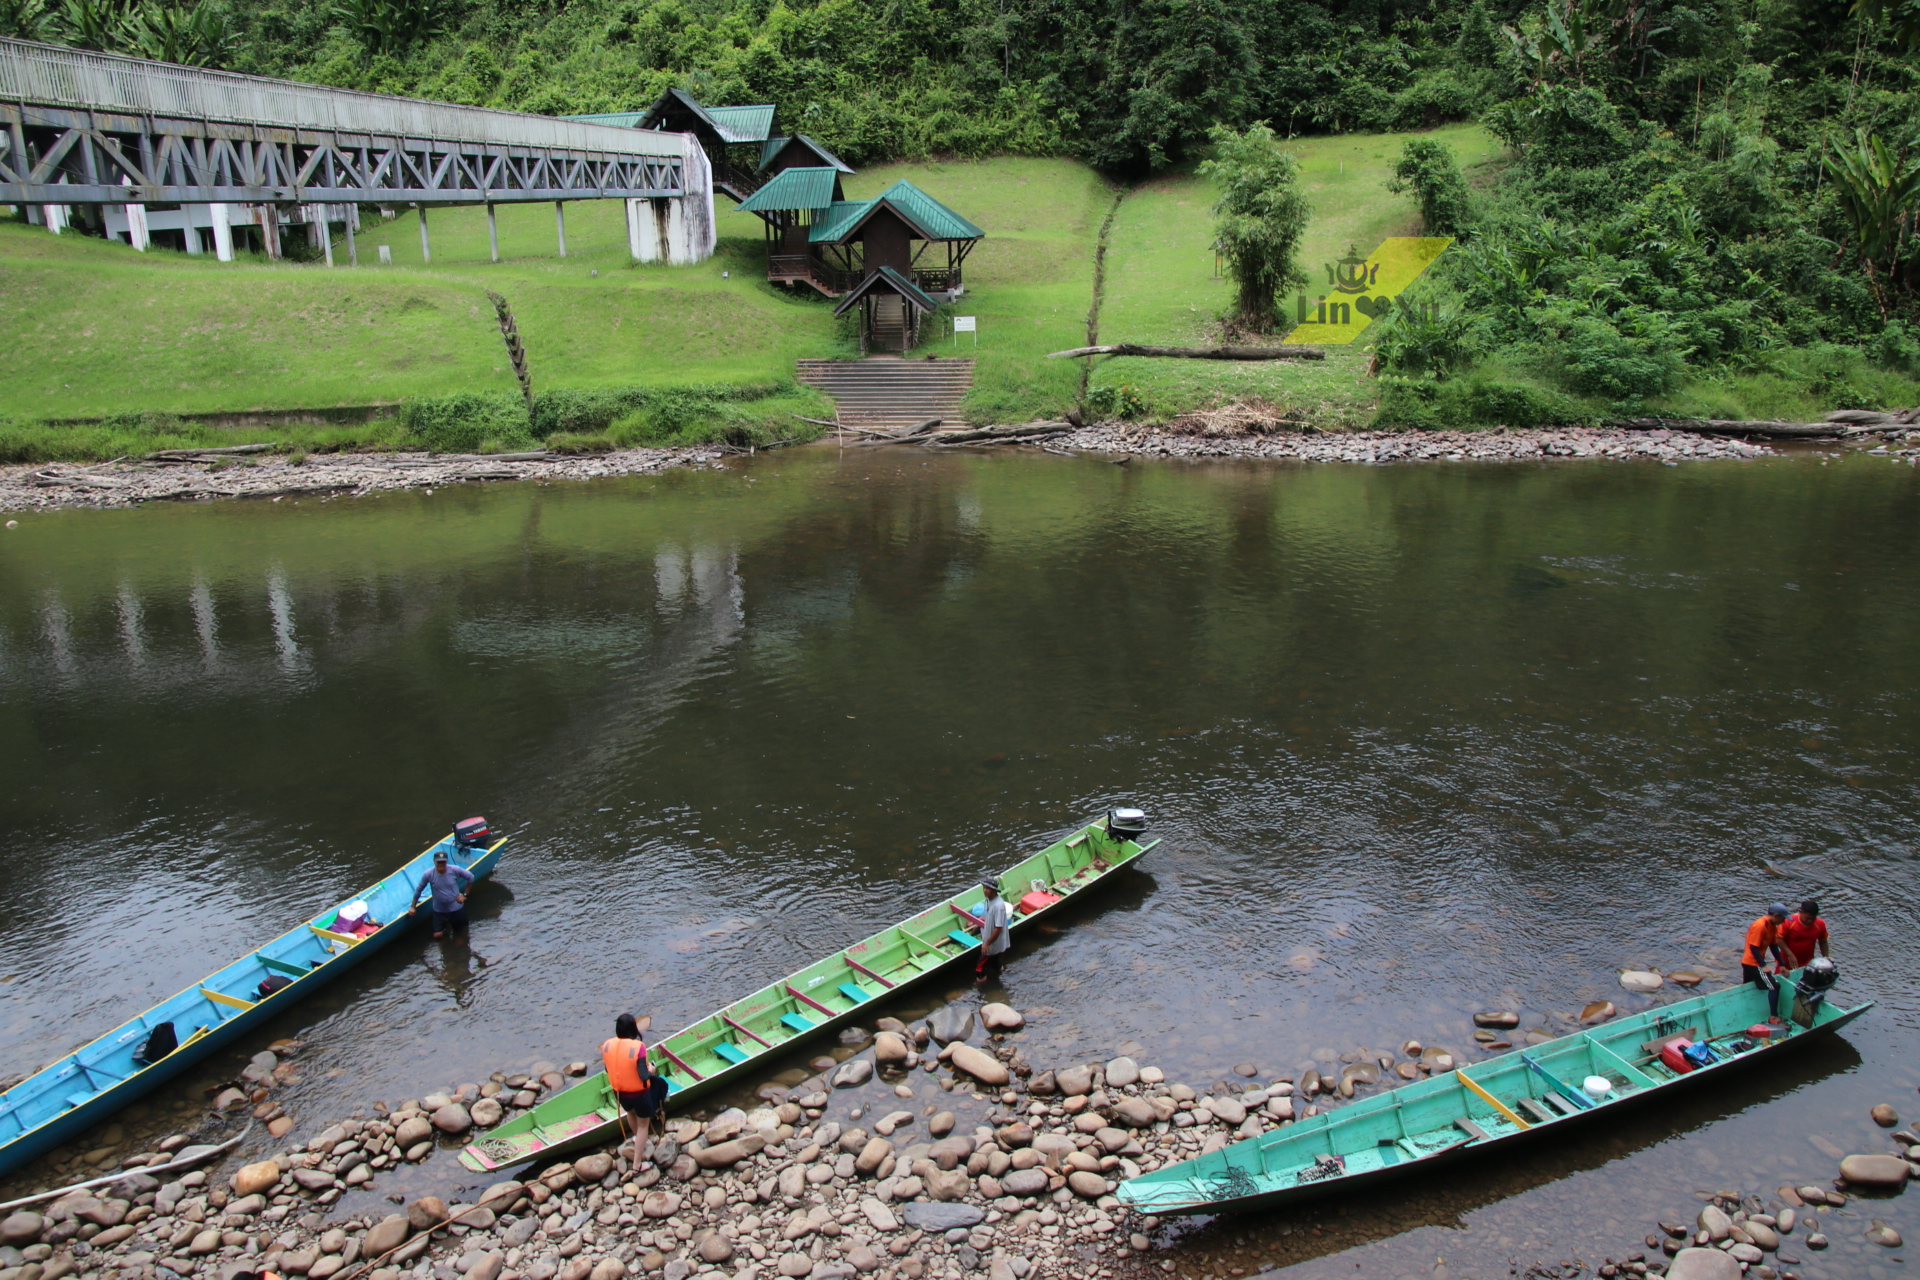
(1426, 1125)
(722, 1047)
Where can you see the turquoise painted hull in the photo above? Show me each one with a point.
(85, 1087)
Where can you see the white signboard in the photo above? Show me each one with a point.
(966, 324)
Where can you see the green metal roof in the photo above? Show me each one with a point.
(906, 288)
(794, 189)
(772, 147)
(624, 119)
(931, 219)
(742, 124)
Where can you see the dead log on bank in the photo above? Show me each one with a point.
(1195, 353)
(1043, 430)
(1841, 422)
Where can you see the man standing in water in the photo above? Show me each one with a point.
(1802, 934)
(996, 918)
(632, 1080)
(1763, 936)
(449, 884)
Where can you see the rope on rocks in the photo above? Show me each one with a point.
(196, 1158)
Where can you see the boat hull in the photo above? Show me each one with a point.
(1158, 1192)
(885, 964)
(29, 1143)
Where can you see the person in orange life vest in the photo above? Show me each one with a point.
(1763, 936)
(641, 1092)
(1802, 934)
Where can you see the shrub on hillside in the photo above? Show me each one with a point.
(1427, 168)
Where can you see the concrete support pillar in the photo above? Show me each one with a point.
(191, 215)
(326, 230)
(55, 216)
(426, 250)
(560, 221)
(222, 231)
(493, 232)
(270, 230)
(137, 234)
(353, 251)
(633, 228)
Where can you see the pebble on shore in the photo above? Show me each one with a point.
(1495, 445)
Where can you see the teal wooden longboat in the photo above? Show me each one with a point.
(93, 1082)
(1426, 1125)
(722, 1047)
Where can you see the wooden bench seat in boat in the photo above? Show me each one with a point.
(797, 1022)
(731, 1052)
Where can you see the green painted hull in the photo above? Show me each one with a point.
(724, 1046)
(1418, 1127)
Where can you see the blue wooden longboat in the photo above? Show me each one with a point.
(90, 1084)
(1421, 1128)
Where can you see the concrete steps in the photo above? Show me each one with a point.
(891, 391)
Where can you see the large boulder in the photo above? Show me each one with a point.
(1074, 1081)
(415, 1128)
(726, 1126)
(452, 1118)
(660, 1204)
(1874, 1171)
(982, 1066)
(591, 1169)
(1001, 1017)
(1228, 1110)
(950, 1023)
(852, 1073)
(22, 1228)
(1090, 1185)
(943, 1217)
(871, 1156)
(487, 1112)
(1025, 1182)
(890, 1048)
(728, 1154)
(1121, 1072)
(426, 1212)
(387, 1234)
(1702, 1264)
(947, 1184)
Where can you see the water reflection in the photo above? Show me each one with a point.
(1422, 741)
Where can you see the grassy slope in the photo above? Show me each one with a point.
(100, 329)
(1029, 282)
(1161, 285)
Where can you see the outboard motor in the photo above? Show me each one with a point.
(1816, 980)
(1126, 824)
(470, 833)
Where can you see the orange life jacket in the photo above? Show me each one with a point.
(626, 1063)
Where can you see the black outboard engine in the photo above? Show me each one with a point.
(1126, 824)
(471, 833)
(1816, 980)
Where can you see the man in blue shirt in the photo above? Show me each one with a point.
(449, 885)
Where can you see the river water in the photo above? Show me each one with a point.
(1420, 741)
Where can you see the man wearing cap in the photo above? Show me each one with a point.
(995, 919)
(449, 884)
(1764, 935)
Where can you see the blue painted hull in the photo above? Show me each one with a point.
(87, 1086)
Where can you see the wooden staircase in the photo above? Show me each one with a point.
(891, 391)
(889, 325)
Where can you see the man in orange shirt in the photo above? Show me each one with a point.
(1802, 933)
(1763, 935)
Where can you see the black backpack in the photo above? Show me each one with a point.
(160, 1042)
(273, 984)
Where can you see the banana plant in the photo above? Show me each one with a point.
(1879, 192)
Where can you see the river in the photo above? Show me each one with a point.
(1420, 741)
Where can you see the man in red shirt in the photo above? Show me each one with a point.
(1763, 936)
(1802, 933)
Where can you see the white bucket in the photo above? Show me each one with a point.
(1597, 1087)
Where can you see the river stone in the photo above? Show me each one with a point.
(1111, 1140)
(947, 1184)
(608, 1269)
(1746, 1253)
(1090, 1185)
(1885, 1116)
(1882, 1234)
(1715, 1222)
(728, 1154)
(452, 1118)
(1122, 1072)
(794, 1265)
(853, 1072)
(1702, 1264)
(871, 1155)
(413, 1129)
(1020, 1134)
(1640, 980)
(1598, 1011)
(660, 1204)
(487, 1112)
(949, 1023)
(979, 1064)
(1138, 1113)
(23, 1228)
(388, 1233)
(1874, 1170)
(1816, 1240)
(878, 1215)
(1761, 1234)
(1499, 1021)
(250, 1180)
(1074, 1081)
(427, 1211)
(1686, 979)
(1001, 1017)
(941, 1125)
(943, 1217)
(591, 1169)
(1787, 1221)
(890, 1048)
(716, 1249)
(313, 1179)
(1042, 1085)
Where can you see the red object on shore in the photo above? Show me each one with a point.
(1673, 1054)
(1039, 898)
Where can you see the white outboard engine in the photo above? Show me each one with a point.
(1126, 824)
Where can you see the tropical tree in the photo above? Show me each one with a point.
(1427, 168)
(197, 36)
(390, 26)
(1262, 215)
(1879, 192)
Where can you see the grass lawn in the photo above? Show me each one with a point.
(1029, 282)
(1162, 285)
(96, 328)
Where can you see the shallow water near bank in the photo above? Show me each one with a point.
(1420, 741)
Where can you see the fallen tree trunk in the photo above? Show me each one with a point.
(1734, 427)
(1195, 353)
(187, 455)
(996, 435)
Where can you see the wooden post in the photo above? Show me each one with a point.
(270, 229)
(426, 250)
(560, 221)
(326, 229)
(193, 233)
(353, 251)
(493, 232)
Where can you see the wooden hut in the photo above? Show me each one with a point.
(892, 309)
(734, 138)
(815, 237)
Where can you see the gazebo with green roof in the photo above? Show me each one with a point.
(734, 138)
(816, 237)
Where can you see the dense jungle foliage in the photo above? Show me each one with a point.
(1696, 190)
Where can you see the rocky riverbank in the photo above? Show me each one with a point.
(130, 482)
(1497, 445)
(954, 1159)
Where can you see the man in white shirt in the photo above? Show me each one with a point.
(996, 918)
